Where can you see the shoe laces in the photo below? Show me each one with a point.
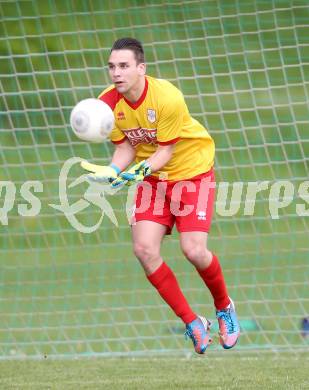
(225, 315)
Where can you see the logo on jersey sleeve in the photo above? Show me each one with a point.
(151, 115)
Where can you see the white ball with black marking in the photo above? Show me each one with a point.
(92, 120)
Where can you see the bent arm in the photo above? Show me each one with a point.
(139, 171)
(160, 157)
(124, 155)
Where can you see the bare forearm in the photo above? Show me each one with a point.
(123, 156)
(161, 157)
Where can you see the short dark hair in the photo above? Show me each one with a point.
(130, 44)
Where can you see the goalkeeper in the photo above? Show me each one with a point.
(174, 157)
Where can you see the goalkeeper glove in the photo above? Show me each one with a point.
(101, 173)
(134, 175)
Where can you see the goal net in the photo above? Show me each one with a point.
(70, 285)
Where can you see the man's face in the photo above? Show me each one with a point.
(124, 71)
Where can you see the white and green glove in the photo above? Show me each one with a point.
(101, 173)
(134, 175)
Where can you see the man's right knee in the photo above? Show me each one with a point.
(145, 252)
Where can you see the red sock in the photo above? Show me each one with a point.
(164, 280)
(214, 280)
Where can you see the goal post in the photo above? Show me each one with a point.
(243, 68)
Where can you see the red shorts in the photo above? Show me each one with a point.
(188, 203)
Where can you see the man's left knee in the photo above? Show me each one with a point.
(195, 252)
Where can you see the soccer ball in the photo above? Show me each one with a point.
(92, 120)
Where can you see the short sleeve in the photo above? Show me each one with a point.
(171, 121)
(117, 136)
(111, 97)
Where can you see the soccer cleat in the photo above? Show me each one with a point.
(228, 326)
(197, 330)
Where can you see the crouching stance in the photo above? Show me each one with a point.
(174, 157)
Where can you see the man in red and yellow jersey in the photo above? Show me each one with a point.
(174, 157)
(160, 117)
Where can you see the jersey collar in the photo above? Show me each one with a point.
(136, 104)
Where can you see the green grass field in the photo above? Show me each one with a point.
(243, 67)
(234, 371)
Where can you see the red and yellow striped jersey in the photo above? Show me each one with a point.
(161, 117)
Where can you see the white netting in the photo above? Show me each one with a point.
(243, 68)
